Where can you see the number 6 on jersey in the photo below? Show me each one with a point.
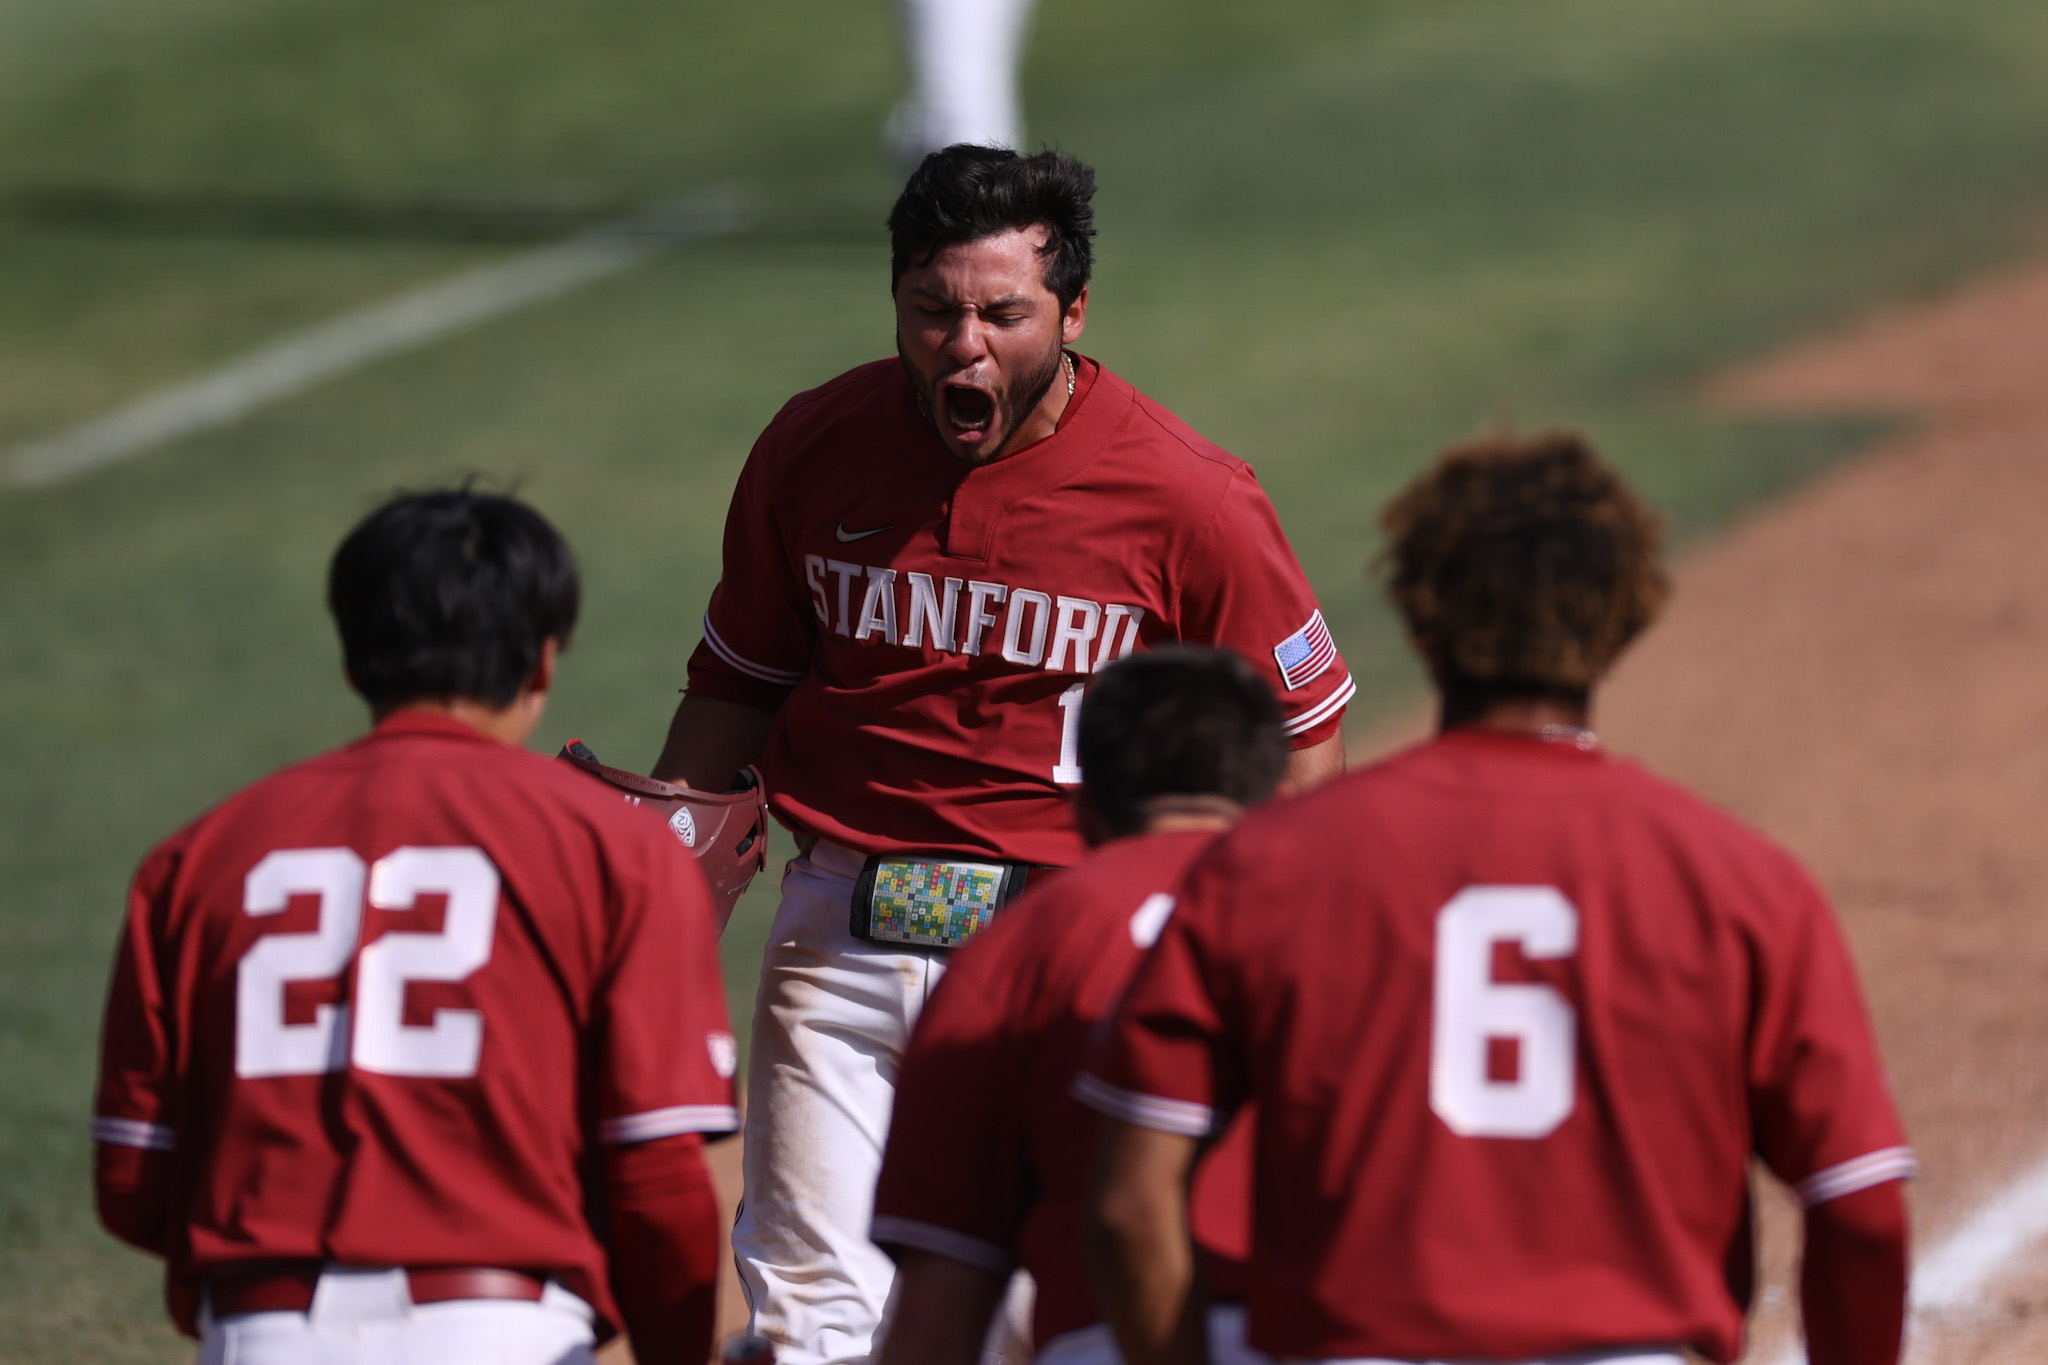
(1471, 1010)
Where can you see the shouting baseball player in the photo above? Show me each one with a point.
(988, 1160)
(389, 1029)
(925, 560)
(1514, 1014)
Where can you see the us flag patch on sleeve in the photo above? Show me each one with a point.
(1305, 655)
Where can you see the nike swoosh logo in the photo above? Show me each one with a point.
(847, 537)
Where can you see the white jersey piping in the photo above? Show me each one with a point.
(889, 1230)
(762, 672)
(1860, 1173)
(1323, 710)
(1147, 1111)
(661, 1123)
(151, 1137)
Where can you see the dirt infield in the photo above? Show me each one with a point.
(1862, 671)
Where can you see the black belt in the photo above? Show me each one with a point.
(934, 900)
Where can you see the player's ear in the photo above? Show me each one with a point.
(1438, 677)
(377, 712)
(543, 678)
(1075, 318)
(522, 717)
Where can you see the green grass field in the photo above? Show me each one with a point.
(1334, 236)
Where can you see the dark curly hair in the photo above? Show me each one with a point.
(1523, 565)
(964, 193)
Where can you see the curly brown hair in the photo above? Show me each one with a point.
(1523, 565)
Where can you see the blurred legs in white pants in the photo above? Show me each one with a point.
(1227, 1346)
(964, 56)
(1095, 1346)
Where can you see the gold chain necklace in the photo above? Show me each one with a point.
(1578, 736)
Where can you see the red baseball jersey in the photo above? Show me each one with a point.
(924, 629)
(1514, 1017)
(989, 1154)
(383, 1004)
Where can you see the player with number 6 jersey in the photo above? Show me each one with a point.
(1514, 1014)
(390, 1029)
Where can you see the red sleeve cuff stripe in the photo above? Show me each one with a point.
(661, 1123)
(151, 1137)
(760, 672)
(1323, 710)
(889, 1230)
(1874, 1168)
(1184, 1117)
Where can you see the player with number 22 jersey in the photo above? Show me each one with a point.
(475, 874)
(428, 1007)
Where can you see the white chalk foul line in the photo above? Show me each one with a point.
(1950, 1276)
(240, 387)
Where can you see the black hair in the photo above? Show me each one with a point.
(964, 193)
(450, 594)
(1178, 721)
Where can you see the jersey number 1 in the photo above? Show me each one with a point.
(1067, 772)
(379, 1039)
(1472, 1012)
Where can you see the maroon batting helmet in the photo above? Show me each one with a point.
(727, 831)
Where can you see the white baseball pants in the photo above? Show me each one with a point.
(964, 56)
(1616, 1355)
(830, 1024)
(1096, 1346)
(1227, 1346)
(366, 1317)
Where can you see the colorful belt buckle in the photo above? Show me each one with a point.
(930, 902)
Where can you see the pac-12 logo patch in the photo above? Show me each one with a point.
(725, 1053)
(684, 826)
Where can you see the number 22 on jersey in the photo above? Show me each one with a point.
(1471, 1011)
(377, 1038)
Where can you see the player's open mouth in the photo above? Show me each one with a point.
(969, 411)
